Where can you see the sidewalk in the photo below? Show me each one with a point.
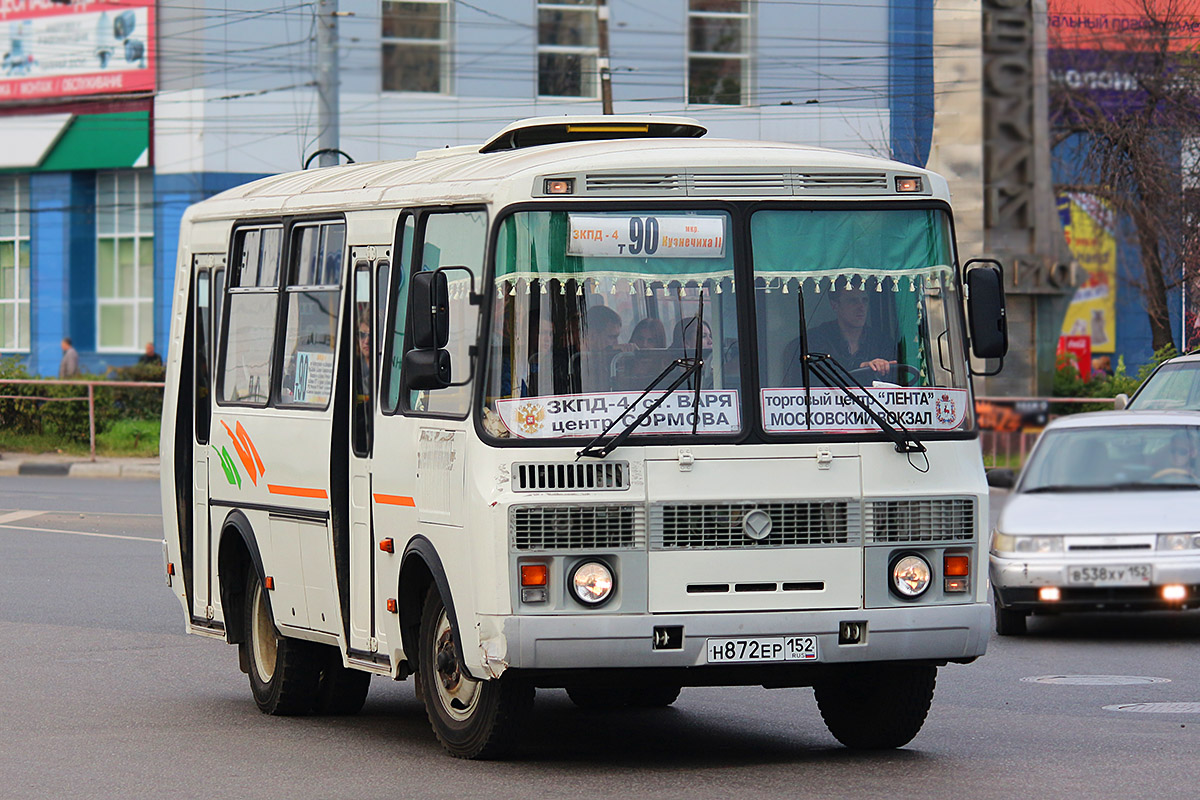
(13, 464)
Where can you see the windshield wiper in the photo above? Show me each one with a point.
(832, 373)
(691, 366)
(1066, 488)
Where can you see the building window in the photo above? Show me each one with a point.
(567, 48)
(124, 260)
(416, 39)
(14, 263)
(718, 52)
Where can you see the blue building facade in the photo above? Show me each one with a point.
(235, 100)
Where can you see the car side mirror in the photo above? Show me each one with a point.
(430, 323)
(427, 369)
(986, 319)
(1001, 478)
(1120, 402)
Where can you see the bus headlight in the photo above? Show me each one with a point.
(592, 582)
(911, 576)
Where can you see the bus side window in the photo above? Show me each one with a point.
(454, 239)
(363, 347)
(203, 337)
(392, 336)
(253, 288)
(311, 314)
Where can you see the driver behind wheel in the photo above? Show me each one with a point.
(1181, 458)
(858, 346)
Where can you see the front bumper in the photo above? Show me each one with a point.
(597, 641)
(1016, 582)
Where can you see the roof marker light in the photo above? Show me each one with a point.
(908, 185)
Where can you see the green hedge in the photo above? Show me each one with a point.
(69, 420)
(1068, 383)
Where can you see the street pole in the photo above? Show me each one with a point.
(327, 83)
(602, 60)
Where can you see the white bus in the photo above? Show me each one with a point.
(600, 405)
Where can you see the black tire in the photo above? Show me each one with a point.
(876, 707)
(341, 691)
(284, 672)
(653, 696)
(472, 719)
(599, 698)
(1009, 622)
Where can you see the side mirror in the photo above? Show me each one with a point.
(986, 320)
(1120, 402)
(426, 369)
(1001, 478)
(430, 322)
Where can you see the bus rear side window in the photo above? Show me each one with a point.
(311, 314)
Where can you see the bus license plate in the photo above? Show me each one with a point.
(1124, 575)
(773, 648)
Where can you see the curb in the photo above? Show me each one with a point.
(80, 469)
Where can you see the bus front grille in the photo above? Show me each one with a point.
(563, 476)
(577, 527)
(920, 520)
(694, 526)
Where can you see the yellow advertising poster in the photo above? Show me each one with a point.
(1089, 225)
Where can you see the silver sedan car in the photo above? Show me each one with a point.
(1105, 516)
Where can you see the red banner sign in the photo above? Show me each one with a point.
(55, 50)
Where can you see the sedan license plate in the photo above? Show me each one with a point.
(1123, 575)
(770, 648)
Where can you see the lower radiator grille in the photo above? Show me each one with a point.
(724, 525)
(577, 527)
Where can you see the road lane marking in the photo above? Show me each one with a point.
(17, 516)
(79, 533)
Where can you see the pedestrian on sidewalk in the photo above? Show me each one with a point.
(69, 366)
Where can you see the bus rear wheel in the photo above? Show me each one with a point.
(284, 672)
(340, 691)
(876, 706)
(472, 719)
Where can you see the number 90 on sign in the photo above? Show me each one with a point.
(759, 649)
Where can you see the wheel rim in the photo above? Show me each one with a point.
(457, 693)
(263, 643)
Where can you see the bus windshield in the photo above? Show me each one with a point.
(590, 307)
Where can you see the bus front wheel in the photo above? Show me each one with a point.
(472, 719)
(284, 673)
(876, 706)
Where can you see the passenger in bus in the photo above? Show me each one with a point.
(649, 334)
(859, 347)
(685, 335)
(601, 337)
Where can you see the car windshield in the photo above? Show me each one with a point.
(1173, 386)
(872, 290)
(590, 307)
(1114, 458)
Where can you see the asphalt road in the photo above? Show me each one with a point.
(104, 696)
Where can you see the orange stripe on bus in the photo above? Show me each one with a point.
(297, 491)
(394, 500)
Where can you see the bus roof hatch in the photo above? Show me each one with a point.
(554, 130)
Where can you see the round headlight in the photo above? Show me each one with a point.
(592, 583)
(911, 576)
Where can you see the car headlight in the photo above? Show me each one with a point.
(592, 582)
(1179, 541)
(1033, 545)
(911, 576)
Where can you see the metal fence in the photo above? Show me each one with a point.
(90, 398)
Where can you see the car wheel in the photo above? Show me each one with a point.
(876, 706)
(284, 672)
(341, 691)
(471, 718)
(1009, 622)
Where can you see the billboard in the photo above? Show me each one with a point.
(1090, 228)
(74, 49)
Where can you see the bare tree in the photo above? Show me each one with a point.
(1125, 108)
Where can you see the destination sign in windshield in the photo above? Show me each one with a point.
(632, 236)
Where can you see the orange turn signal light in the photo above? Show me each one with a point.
(534, 574)
(170, 568)
(391, 605)
(956, 566)
(269, 582)
(387, 545)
